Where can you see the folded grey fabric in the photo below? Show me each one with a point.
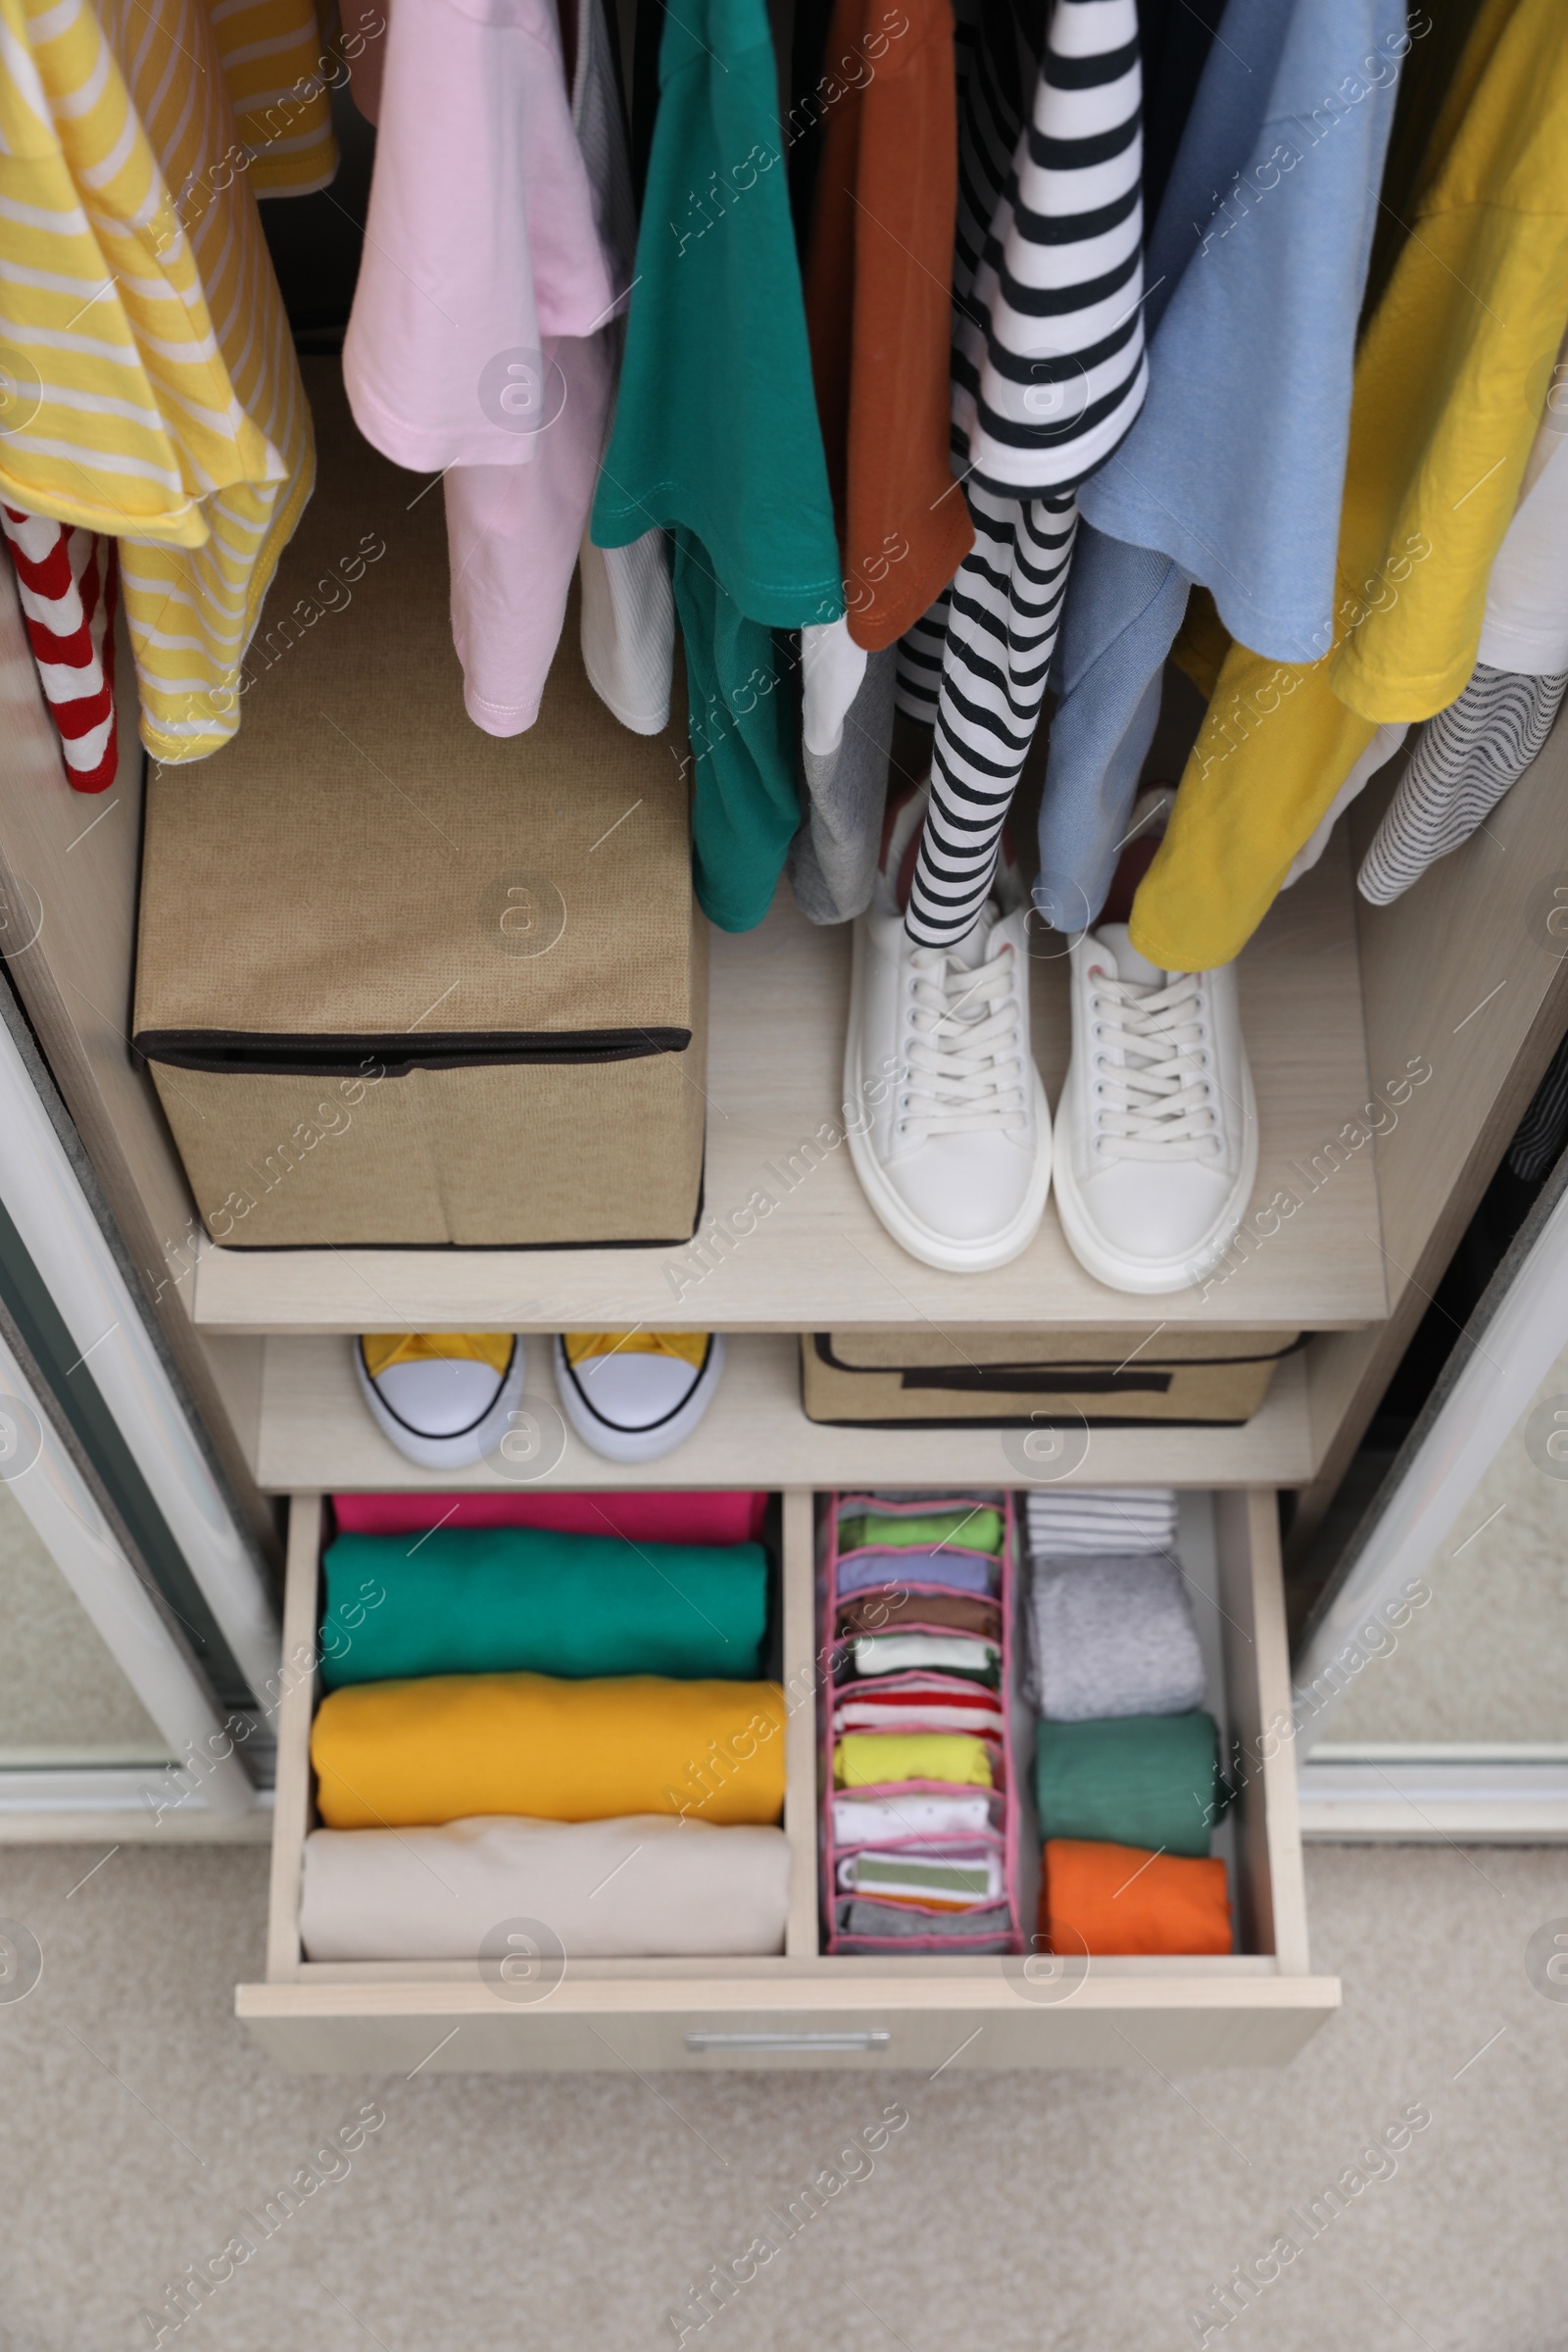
(1113, 1636)
(1101, 1519)
(884, 1919)
(832, 861)
(646, 1886)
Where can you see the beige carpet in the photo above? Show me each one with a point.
(1014, 2213)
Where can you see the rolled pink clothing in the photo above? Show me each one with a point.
(512, 535)
(482, 240)
(734, 1517)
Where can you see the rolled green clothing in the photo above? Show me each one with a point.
(969, 1530)
(1151, 1781)
(510, 1599)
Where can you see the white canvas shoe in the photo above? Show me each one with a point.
(955, 1157)
(442, 1397)
(1157, 1130)
(634, 1396)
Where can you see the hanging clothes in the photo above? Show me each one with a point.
(1451, 382)
(1232, 475)
(717, 439)
(1471, 753)
(66, 580)
(1047, 375)
(484, 337)
(878, 310)
(275, 64)
(165, 400)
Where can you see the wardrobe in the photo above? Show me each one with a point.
(1393, 1050)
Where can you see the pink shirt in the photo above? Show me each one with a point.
(482, 240)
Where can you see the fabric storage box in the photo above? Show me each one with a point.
(1002, 1379)
(844, 1574)
(399, 981)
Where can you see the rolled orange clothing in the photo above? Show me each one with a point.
(878, 308)
(1120, 1898)
(446, 1746)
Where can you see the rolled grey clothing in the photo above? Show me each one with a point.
(833, 857)
(1112, 1636)
(885, 1920)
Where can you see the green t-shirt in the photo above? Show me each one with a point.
(717, 438)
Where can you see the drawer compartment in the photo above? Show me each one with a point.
(804, 2008)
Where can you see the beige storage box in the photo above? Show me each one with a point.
(399, 981)
(1023, 1379)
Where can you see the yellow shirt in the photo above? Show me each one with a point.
(154, 391)
(1449, 391)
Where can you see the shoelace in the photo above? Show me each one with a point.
(963, 1049)
(1157, 1103)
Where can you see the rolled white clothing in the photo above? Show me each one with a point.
(867, 1821)
(910, 1653)
(645, 1886)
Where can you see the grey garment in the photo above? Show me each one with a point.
(1463, 762)
(833, 857)
(1113, 1636)
(885, 1920)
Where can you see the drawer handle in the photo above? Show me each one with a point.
(875, 2038)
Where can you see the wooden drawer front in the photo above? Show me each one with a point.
(803, 2009)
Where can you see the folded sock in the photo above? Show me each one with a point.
(673, 1517)
(973, 1527)
(925, 1874)
(1101, 1519)
(921, 1702)
(502, 1599)
(1112, 1636)
(887, 1922)
(1099, 1898)
(646, 1887)
(872, 1759)
(446, 1746)
(953, 1571)
(917, 1813)
(891, 1609)
(906, 1653)
(1150, 1781)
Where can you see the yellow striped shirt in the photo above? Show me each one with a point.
(148, 383)
(278, 66)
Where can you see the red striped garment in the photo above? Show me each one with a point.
(67, 580)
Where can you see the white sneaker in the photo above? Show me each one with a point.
(634, 1396)
(1157, 1130)
(955, 1158)
(442, 1397)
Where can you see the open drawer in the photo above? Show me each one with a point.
(1256, 2007)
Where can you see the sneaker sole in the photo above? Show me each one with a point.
(601, 1437)
(1153, 1277)
(457, 1453)
(935, 1249)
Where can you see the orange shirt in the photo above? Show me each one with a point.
(878, 308)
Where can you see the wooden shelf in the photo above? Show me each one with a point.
(820, 1260)
(313, 1435)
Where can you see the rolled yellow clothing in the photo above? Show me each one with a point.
(870, 1759)
(391, 1756)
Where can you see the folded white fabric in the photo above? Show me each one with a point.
(1112, 1636)
(912, 1653)
(869, 1821)
(646, 1886)
(1101, 1519)
(930, 1874)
